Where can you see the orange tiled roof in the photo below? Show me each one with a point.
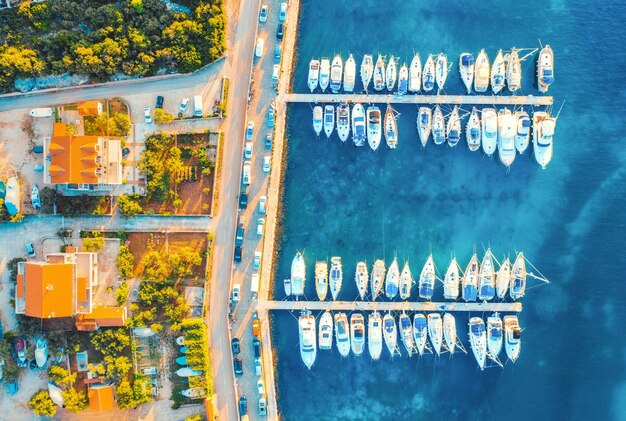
(72, 158)
(49, 290)
(101, 317)
(88, 108)
(101, 398)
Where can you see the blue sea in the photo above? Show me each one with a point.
(569, 219)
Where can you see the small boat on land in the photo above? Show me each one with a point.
(390, 334)
(343, 121)
(481, 72)
(391, 73)
(342, 335)
(318, 119)
(187, 372)
(513, 337)
(335, 277)
(424, 124)
(518, 277)
(324, 73)
(478, 340)
(375, 335)
(379, 74)
(180, 340)
(403, 80)
(349, 75)
(415, 74)
(358, 125)
(466, 68)
(321, 280)
(451, 281)
(367, 70)
(489, 120)
(545, 68)
(470, 279)
(420, 332)
(308, 339)
(374, 123)
(506, 136)
(427, 279)
(377, 278)
(486, 281)
(194, 392)
(513, 71)
(503, 278)
(428, 76)
(435, 331)
(336, 73)
(439, 126)
(35, 199)
(543, 137)
(298, 274)
(41, 352)
(392, 280)
(494, 337)
(522, 137)
(314, 74)
(329, 120)
(391, 128)
(472, 131)
(361, 279)
(406, 333)
(453, 131)
(12, 196)
(441, 72)
(498, 73)
(406, 282)
(357, 333)
(181, 360)
(449, 332)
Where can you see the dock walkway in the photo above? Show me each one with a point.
(515, 307)
(422, 99)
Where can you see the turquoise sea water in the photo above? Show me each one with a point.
(569, 219)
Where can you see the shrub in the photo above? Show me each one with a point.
(42, 404)
(61, 376)
(125, 264)
(93, 244)
(121, 294)
(73, 400)
(129, 206)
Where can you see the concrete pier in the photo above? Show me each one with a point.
(383, 306)
(421, 99)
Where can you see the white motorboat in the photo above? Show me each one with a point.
(374, 129)
(481, 72)
(453, 130)
(321, 280)
(357, 333)
(324, 73)
(41, 112)
(507, 128)
(187, 372)
(503, 278)
(392, 281)
(358, 125)
(308, 339)
(435, 331)
(518, 277)
(498, 73)
(406, 333)
(287, 286)
(494, 337)
(336, 74)
(342, 334)
(349, 75)
(449, 332)
(478, 340)
(35, 199)
(472, 131)
(13, 196)
(451, 281)
(424, 124)
(180, 340)
(439, 126)
(391, 128)
(513, 337)
(427, 279)
(486, 278)
(420, 332)
(377, 278)
(441, 70)
(470, 279)
(428, 76)
(406, 282)
(343, 121)
(318, 119)
(194, 392)
(379, 74)
(403, 80)
(543, 137)
(329, 120)
(466, 69)
(375, 335)
(390, 334)
(361, 279)
(41, 352)
(367, 70)
(489, 129)
(513, 71)
(415, 74)
(545, 68)
(314, 74)
(522, 137)
(391, 74)
(335, 277)
(326, 331)
(298, 274)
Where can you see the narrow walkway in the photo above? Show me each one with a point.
(421, 99)
(388, 306)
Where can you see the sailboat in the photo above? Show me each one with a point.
(513, 71)
(420, 332)
(343, 121)
(406, 333)
(481, 72)
(506, 136)
(543, 137)
(451, 281)
(489, 120)
(321, 280)
(415, 74)
(470, 280)
(391, 128)
(336, 73)
(472, 131)
(441, 72)
(326, 331)
(478, 340)
(439, 126)
(308, 339)
(375, 335)
(374, 122)
(435, 331)
(449, 332)
(298, 274)
(427, 279)
(391, 73)
(498, 73)
(342, 335)
(336, 276)
(324, 73)
(518, 277)
(494, 337)
(545, 69)
(318, 121)
(424, 124)
(453, 130)
(358, 125)
(349, 74)
(403, 80)
(379, 74)
(361, 279)
(357, 333)
(513, 337)
(329, 120)
(406, 281)
(503, 278)
(392, 280)
(466, 68)
(367, 70)
(486, 280)
(378, 275)
(314, 74)
(390, 333)
(428, 76)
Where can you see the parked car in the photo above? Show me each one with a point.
(267, 163)
(243, 405)
(256, 327)
(149, 371)
(234, 344)
(258, 50)
(13, 387)
(236, 293)
(277, 53)
(262, 406)
(268, 141)
(125, 151)
(30, 250)
(263, 14)
(275, 73)
(280, 31)
(257, 260)
(262, 202)
(238, 254)
(247, 151)
(238, 366)
(147, 115)
(243, 200)
(260, 226)
(270, 117)
(258, 367)
(239, 235)
(260, 386)
(159, 101)
(282, 16)
(183, 105)
(256, 344)
(246, 173)
(250, 130)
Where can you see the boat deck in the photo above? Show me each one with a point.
(515, 307)
(422, 99)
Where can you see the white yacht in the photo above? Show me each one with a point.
(377, 278)
(343, 121)
(486, 278)
(358, 125)
(513, 71)
(494, 337)
(374, 123)
(441, 70)
(507, 128)
(321, 280)
(342, 334)
(314, 74)
(435, 331)
(415, 74)
(513, 337)
(318, 119)
(518, 277)
(375, 335)
(326, 331)
(367, 70)
(470, 280)
(489, 129)
(379, 74)
(357, 333)
(522, 137)
(298, 275)
(472, 131)
(391, 73)
(545, 69)
(324, 73)
(406, 281)
(478, 340)
(453, 130)
(466, 68)
(391, 128)
(329, 120)
(390, 334)
(439, 126)
(428, 76)
(361, 279)
(308, 339)
(498, 73)
(406, 333)
(503, 278)
(427, 279)
(335, 277)
(420, 332)
(449, 332)
(403, 80)
(481, 72)
(451, 281)
(543, 137)
(336, 73)
(424, 124)
(349, 75)
(392, 280)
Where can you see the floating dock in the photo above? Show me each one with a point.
(390, 98)
(506, 307)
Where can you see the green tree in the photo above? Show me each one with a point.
(121, 294)
(142, 390)
(42, 404)
(4, 349)
(73, 400)
(61, 376)
(112, 342)
(161, 117)
(194, 418)
(129, 206)
(87, 61)
(96, 125)
(119, 125)
(18, 61)
(155, 266)
(124, 395)
(177, 310)
(93, 244)
(125, 265)
(182, 263)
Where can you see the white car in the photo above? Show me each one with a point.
(258, 369)
(266, 164)
(283, 12)
(147, 115)
(183, 105)
(275, 72)
(257, 260)
(262, 202)
(250, 130)
(247, 152)
(263, 14)
(236, 292)
(261, 386)
(258, 51)
(246, 173)
(260, 226)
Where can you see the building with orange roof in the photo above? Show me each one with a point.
(101, 397)
(101, 317)
(90, 108)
